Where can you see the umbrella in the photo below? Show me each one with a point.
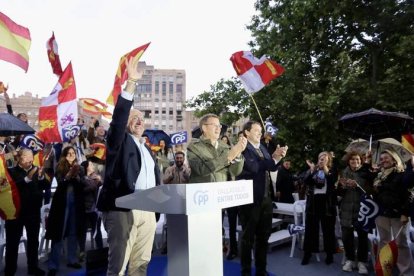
(196, 132)
(362, 146)
(374, 124)
(10, 126)
(156, 135)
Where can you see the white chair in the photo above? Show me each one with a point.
(23, 239)
(44, 213)
(299, 219)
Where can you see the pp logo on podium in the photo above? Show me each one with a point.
(200, 197)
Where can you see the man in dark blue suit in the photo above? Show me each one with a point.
(256, 218)
(130, 166)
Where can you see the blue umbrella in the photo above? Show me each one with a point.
(156, 135)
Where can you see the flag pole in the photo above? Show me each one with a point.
(260, 115)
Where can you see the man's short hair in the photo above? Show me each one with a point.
(205, 118)
(248, 126)
(180, 152)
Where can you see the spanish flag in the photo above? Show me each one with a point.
(94, 107)
(122, 74)
(15, 42)
(100, 150)
(9, 195)
(387, 259)
(407, 140)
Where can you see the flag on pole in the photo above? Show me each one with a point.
(368, 212)
(53, 55)
(32, 142)
(255, 73)
(59, 109)
(100, 150)
(94, 107)
(14, 42)
(9, 195)
(407, 140)
(387, 259)
(122, 74)
(270, 128)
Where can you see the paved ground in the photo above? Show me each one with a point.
(279, 263)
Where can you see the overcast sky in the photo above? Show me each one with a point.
(197, 36)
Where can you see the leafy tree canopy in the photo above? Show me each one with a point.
(340, 56)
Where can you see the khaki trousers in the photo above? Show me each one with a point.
(385, 225)
(130, 239)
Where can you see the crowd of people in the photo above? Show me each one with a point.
(87, 187)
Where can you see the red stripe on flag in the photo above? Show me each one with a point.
(15, 28)
(67, 81)
(14, 57)
(122, 74)
(240, 64)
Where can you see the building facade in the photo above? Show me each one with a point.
(27, 104)
(161, 97)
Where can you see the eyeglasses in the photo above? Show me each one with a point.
(217, 126)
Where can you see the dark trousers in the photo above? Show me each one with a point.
(348, 240)
(91, 222)
(318, 216)
(232, 216)
(14, 232)
(256, 221)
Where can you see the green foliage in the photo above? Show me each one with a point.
(226, 99)
(340, 56)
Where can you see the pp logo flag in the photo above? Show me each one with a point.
(368, 211)
(294, 229)
(178, 137)
(32, 142)
(70, 132)
(271, 128)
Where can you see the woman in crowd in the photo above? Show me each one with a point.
(91, 181)
(355, 180)
(67, 211)
(320, 207)
(162, 156)
(393, 199)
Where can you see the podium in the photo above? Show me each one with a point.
(194, 221)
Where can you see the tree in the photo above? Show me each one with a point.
(340, 56)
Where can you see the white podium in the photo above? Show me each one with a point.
(194, 221)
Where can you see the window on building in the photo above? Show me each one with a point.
(147, 114)
(157, 87)
(171, 87)
(170, 112)
(179, 88)
(164, 87)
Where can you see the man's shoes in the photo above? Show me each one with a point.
(362, 268)
(348, 266)
(36, 271)
(329, 259)
(52, 272)
(231, 256)
(306, 258)
(74, 265)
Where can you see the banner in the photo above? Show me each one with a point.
(179, 138)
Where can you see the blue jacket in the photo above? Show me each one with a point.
(255, 168)
(123, 160)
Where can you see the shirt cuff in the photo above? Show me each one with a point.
(127, 96)
(27, 180)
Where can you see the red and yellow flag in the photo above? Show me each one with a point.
(100, 150)
(53, 55)
(122, 74)
(9, 195)
(94, 107)
(387, 259)
(407, 140)
(15, 42)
